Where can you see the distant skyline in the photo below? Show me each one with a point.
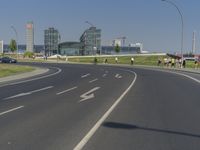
(154, 23)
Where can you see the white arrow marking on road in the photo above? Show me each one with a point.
(84, 76)
(28, 93)
(87, 95)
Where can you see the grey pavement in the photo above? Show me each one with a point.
(161, 110)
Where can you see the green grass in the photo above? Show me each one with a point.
(139, 60)
(9, 69)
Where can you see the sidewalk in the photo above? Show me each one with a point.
(37, 71)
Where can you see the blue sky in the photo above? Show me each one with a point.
(154, 23)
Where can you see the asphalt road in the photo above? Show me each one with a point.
(100, 108)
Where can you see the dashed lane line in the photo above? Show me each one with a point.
(86, 75)
(11, 110)
(93, 80)
(28, 93)
(68, 90)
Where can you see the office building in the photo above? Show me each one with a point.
(30, 37)
(70, 48)
(51, 41)
(91, 41)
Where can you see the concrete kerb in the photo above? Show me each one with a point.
(37, 71)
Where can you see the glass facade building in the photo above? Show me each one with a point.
(70, 48)
(51, 41)
(110, 50)
(91, 41)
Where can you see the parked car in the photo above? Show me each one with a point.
(8, 60)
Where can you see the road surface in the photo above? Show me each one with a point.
(95, 107)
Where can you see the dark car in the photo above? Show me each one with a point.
(8, 60)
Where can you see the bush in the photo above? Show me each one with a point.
(29, 55)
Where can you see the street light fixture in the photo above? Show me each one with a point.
(12, 27)
(182, 25)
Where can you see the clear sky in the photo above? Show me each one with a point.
(154, 23)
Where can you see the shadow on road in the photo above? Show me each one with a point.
(135, 127)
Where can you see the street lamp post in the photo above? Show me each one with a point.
(12, 27)
(182, 25)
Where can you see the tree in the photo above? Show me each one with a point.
(13, 45)
(117, 48)
(29, 54)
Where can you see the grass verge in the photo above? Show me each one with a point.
(10, 69)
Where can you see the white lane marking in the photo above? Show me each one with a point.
(196, 80)
(68, 90)
(5, 112)
(93, 80)
(84, 76)
(118, 76)
(28, 93)
(104, 75)
(18, 95)
(88, 136)
(15, 83)
(87, 95)
(177, 73)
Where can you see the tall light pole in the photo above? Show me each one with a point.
(12, 27)
(95, 42)
(182, 24)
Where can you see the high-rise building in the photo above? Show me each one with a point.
(91, 41)
(51, 41)
(30, 37)
(1, 46)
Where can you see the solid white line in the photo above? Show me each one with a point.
(196, 80)
(93, 80)
(59, 70)
(67, 90)
(84, 76)
(5, 112)
(83, 142)
(177, 73)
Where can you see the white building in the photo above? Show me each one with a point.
(1, 47)
(29, 37)
(117, 42)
